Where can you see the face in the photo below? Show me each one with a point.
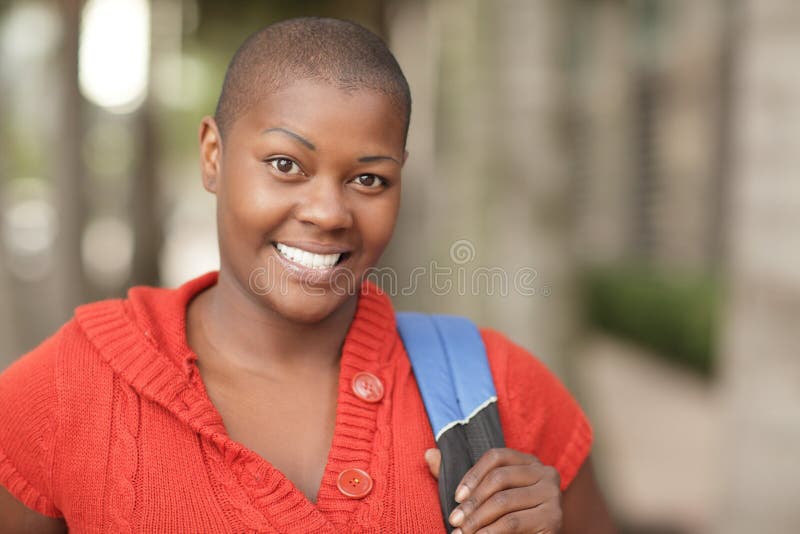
(308, 190)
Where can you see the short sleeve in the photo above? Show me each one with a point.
(28, 420)
(538, 414)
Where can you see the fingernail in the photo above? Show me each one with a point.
(429, 454)
(462, 493)
(456, 531)
(456, 517)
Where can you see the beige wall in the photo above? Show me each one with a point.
(761, 353)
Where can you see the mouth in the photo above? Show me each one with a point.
(309, 259)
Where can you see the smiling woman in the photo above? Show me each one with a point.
(313, 167)
(262, 397)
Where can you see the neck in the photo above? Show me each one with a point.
(246, 334)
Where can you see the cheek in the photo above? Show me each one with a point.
(377, 222)
(252, 205)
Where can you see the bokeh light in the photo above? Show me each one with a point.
(115, 53)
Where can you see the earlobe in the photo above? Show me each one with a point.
(210, 150)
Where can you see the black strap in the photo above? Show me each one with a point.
(449, 361)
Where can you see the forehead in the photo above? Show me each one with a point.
(325, 114)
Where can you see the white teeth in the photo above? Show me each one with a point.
(306, 258)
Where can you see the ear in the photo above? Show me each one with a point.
(210, 153)
(405, 156)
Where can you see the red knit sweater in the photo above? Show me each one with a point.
(107, 424)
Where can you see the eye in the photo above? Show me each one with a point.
(284, 165)
(370, 181)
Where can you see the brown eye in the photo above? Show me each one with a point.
(284, 165)
(369, 180)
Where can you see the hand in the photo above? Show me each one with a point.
(505, 491)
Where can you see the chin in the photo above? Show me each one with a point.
(301, 307)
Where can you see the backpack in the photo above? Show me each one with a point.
(449, 361)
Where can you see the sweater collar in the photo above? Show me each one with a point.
(143, 337)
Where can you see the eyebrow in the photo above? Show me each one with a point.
(309, 144)
(290, 133)
(369, 159)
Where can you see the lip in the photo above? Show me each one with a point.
(316, 248)
(309, 275)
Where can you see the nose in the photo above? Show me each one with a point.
(325, 205)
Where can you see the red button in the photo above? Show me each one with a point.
(354, 483)
(367, 387)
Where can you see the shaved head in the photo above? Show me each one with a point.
(334, 51)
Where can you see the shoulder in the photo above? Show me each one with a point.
(29, 385)
(33, 367)
(28, 421)
(538, 413)
(45, 390)
(517, 371)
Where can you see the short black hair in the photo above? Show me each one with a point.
(336, 51)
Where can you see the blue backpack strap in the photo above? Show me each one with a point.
(452, 372)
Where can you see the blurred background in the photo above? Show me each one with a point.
(639, 158)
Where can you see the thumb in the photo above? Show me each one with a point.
(433, 457)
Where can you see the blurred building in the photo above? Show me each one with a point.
(651, 111)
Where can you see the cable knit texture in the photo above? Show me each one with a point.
(107, 424)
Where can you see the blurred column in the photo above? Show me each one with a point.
(8, 348)
(488, 201)
(686, 107)
(146, 213)
(440, 44)
(600, 133)
(528, 189)
(459, 183)
(69, 177)
(760, 360)
(146, 203)
(8, 345)
(724, 129)
(414, 38)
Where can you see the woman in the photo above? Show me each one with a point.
(274, 395)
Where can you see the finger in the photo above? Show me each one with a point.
(545, 519)
(491, 459)
(433, 457)
(507, 477)
(508, 501)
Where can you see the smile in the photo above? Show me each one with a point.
(308, 259)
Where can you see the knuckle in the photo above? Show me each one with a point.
(470, 524)
(495, 478)
(470, 479)
(550, 492)
(494, 455)
(469, 505)
(512, 523)
(535, 472)
(500, 500)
